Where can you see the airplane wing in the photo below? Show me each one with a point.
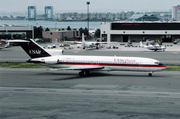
(77, 42)
(83, 68)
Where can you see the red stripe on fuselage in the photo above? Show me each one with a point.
(103, 64)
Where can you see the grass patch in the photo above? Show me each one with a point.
(32, 65)
(21, 65)
(172, 68)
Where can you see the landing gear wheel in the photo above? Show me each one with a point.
(87, 72)
(81, 73)
(149, 74)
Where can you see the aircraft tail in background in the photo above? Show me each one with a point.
(141, 44)
(83, 41)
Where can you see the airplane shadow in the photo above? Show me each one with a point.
(5, 49)
(74, 75)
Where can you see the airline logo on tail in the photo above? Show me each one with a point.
(34, 51)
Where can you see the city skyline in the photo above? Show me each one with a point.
(81, 7)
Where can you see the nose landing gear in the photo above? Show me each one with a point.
(150, 74)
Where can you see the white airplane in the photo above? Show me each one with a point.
(86, 64)
(86, 44)
(153, 47)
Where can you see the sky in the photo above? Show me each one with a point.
(103, 6)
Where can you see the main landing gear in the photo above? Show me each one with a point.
(150, 74)
(82, 73)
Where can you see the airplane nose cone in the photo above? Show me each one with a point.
(164, 66)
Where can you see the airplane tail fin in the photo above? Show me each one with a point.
(141, 44)
(83, 41)
(33, 49)
(7, 45)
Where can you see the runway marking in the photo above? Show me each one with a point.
(90, 92)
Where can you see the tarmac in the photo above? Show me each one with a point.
(41, 94)
(44, 94)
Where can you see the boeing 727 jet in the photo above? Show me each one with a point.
(86, 64)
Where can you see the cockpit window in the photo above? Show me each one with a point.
(161, 63)
(158, 63)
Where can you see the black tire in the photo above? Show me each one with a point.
(149, 74)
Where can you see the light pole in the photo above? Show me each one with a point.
(88, 3)
(32, 27)
(55, 26)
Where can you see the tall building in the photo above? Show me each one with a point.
(31, 12)
(175, 12)
(93, 16)
(48, 12)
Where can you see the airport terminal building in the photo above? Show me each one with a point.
(15, 32)
(136, 31)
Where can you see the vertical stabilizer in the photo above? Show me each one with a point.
(33, 49)
(141, 44)
(7, 45)
(83, 41)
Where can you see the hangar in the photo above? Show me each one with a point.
(138, 30)
(15, 32)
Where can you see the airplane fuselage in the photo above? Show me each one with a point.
(89, 45)
(88, 63)
(153, 47)
(101, 63)
(156, 48)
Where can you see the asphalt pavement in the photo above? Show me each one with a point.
(41, 94)
(44, 94)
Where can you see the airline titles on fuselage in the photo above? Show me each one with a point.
(114, 60)
(126, 61)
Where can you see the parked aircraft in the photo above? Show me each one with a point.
(153, 47)
(87, 44)
(86, 64)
